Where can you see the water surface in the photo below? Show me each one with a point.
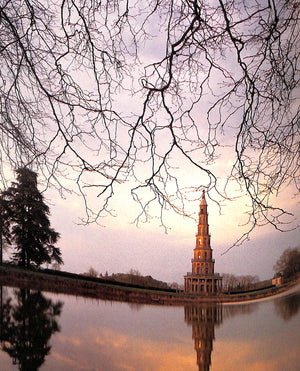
(43, 331)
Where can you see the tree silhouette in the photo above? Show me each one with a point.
(4, 226)
(27, 328)
(31, 234)
(107, 92)
(288, 263)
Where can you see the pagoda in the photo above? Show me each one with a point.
(202, 280)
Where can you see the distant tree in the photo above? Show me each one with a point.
(133, 276)
(231, 281)
(92, 273)
(247, 280)
(289, 263)
(55, 266)
(174, 285)
(31, 234)
(134, 272)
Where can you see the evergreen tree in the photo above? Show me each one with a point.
(4, 225)
(31, 234)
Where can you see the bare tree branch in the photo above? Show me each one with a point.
(100, 93)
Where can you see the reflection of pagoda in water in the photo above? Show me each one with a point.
(202, 280)
(203, 319)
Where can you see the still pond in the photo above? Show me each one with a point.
(43, 331)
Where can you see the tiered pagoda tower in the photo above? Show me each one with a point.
(202, 280)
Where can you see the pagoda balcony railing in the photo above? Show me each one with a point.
(203, 260)
(203, 274)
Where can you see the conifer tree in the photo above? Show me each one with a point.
(31, 234)
(4, 225)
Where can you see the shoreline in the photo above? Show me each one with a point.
(78, 285)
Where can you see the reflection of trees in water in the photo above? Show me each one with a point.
(135, 306)
(27, 326)
(288, 306)
(203, 318)
(231, 310)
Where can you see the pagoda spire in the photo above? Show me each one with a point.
(203, 237)
(203, 200)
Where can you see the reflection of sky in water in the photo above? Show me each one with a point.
(97, 335)
(261, 340)
(114, 337)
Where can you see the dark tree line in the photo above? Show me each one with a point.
(98, 93)
(25, 225)
(231, 281)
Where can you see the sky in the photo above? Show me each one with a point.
(118, 245)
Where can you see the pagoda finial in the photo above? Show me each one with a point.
(203, 201)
